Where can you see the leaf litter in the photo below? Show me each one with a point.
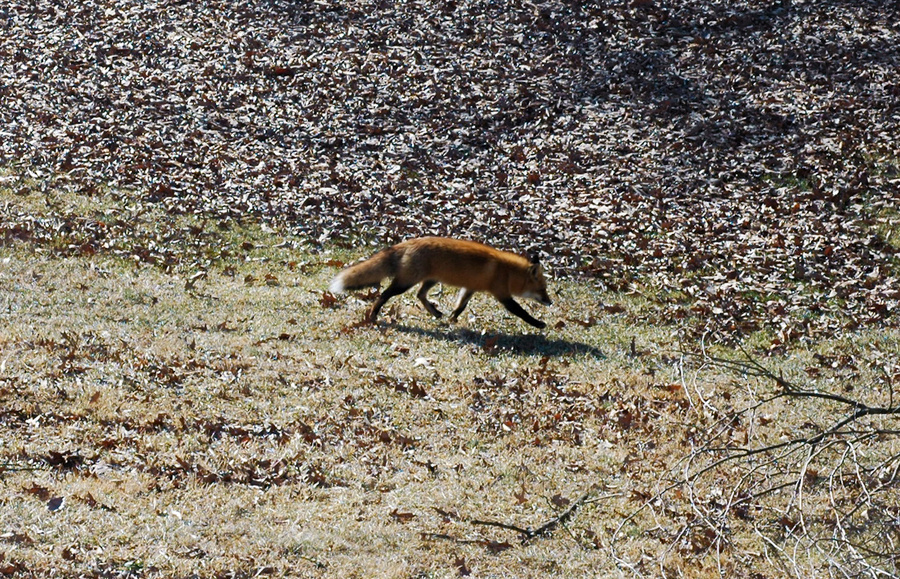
(735, 160)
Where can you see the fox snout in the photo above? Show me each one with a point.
(540, 297)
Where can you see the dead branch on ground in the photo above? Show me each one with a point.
(832, 493)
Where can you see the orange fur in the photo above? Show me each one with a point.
(468, 265)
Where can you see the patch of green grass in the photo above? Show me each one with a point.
(887, 226)
(799, 182)
(884, 219)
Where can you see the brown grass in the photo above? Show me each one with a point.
(242, 423)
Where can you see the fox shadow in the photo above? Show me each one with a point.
(490, 342)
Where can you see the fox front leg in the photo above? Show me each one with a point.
(514, 308)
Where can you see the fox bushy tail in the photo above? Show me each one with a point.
(367, 273)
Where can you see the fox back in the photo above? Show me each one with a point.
(468, 265)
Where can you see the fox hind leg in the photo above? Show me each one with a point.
(461, 302)
(390, 291)
(423, 297)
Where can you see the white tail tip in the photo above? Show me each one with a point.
(337, 285)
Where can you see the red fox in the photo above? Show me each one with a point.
(465, 264)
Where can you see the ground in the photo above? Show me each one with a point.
(243, 421)
(713, 187)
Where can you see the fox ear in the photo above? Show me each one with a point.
(535, 259)
(535, 270)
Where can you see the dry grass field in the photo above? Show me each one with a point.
(228, 418)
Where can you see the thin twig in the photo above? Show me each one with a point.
(318, 564)
(528, 534)
(788, 389)
(444, 537)
(11, 467)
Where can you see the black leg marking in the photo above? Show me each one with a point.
(514, 308)
(390, 291)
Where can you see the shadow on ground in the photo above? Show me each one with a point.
(491, 342)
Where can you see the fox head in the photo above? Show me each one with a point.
(535, 286)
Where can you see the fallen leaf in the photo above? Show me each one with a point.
(461, 567)
(402, 517)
